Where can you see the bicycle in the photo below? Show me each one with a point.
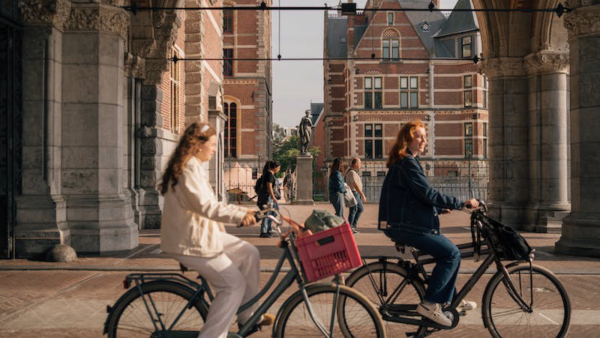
(172, 305)
(520, 300)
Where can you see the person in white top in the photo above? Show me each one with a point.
(355, 183)
(193, 233)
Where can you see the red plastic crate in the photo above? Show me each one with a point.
(328, 253)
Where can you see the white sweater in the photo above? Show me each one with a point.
(192, 215)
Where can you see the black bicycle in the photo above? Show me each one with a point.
(169, 305)
(520, 300)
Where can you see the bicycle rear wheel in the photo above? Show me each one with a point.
(378, 281)
(550, 313)
(167, 300)
(354, 315)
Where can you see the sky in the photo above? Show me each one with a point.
(297, 83)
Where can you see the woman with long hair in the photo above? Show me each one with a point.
(192, 232)
(409, 211)
(337, 187)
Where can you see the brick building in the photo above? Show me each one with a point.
(396, 71)
(247, 84)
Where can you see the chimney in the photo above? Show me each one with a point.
(436, 3)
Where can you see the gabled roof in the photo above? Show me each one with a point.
(459, 21)
(434, 19)
(336, 37)
(316, 109)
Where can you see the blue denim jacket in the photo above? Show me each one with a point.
(336, 183)
(409, 203)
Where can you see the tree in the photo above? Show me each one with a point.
(288, 150)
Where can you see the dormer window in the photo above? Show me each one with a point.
(425, 26)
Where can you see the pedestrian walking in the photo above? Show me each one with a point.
(192, 232)
(268, 194)
(355, 183)
(337, 188)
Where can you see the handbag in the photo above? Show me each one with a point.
(349, 198)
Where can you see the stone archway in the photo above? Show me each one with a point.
(540, 80)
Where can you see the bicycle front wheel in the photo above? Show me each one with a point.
(386, 284)
(352, 316)
(547, 312)
(160, 312)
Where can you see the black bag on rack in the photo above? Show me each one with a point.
(512, 245)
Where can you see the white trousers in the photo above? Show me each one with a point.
(234, 278)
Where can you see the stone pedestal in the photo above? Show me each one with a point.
(581, 228)
(304, 170)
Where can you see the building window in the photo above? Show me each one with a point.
(467, 45)
(373, 141)
(468, 94)
(366, 174)
(409, 92)
(468, 147)
(373, 93)
(381, 174)
(485, 92)
(228, 62)
(469, 129)
(485, 140)
(390, 19)
(230, 109)
(394, 52)
(228, 21)
(175, 93)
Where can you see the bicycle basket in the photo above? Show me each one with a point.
(328, 253)
(509, 243)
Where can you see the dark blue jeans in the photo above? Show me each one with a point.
(356, 210)
(337, 199)
(442, 282)
(266, 225)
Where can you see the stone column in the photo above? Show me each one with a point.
(581, 228)
(41, 208)
(548, 162)
(99, 213)
(508, 145)
(217, 119)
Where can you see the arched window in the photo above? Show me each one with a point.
(390, 44)
(230, 109)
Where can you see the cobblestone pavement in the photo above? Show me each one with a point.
(39, 299)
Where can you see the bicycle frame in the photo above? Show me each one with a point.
(416, 270)
(200, 289)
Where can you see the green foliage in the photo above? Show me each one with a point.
(286, 151)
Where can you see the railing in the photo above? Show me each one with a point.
(461, 179)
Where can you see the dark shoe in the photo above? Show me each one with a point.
(267, 320)
(262, 235)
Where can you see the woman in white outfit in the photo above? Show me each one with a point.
(192, 232)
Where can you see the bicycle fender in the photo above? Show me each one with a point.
(111, 309)
(488, 287)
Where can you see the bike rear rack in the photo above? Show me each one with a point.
(141, 278)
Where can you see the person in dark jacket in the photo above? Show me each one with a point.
(337, 187)
(409, 211)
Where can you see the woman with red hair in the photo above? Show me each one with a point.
(409, 211)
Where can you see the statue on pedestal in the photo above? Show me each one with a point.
(305, 132)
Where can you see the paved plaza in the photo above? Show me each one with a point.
(39, 299)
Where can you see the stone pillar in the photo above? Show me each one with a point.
(581, 228)
(41, 208)
(548, 162)
(304, 170)
(508, 145)
(99, 213)
(217, 119)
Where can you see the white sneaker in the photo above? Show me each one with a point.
(466, 305)
(434, 313)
